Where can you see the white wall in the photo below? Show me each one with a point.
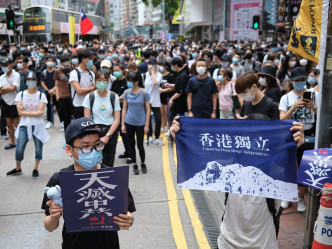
(198, 11)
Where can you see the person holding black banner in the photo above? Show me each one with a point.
(84, 145)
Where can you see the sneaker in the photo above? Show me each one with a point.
(144, 168)
(158, 141)
(167, 134)
(48, 125)
(5, 137)
(301, 207)
(10, 146)
(135, 169)
(129, 161)
(14, 172)
(35, 174)
(150, 141)
(124, 155)
(62, 127)
(284, 204)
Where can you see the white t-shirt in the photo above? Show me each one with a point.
(152, 89)
(102, 108)
(112, 79)
(248, 224)
(304, 115)
(5, 82)
(87, 80)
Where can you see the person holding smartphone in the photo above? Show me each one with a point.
(299, 104)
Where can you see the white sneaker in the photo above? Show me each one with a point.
(150, 141)
(62, 127)
(48, 125)
(159, 142)
(284, 204)
(301, 207)
(167, 134)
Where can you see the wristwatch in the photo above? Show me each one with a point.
(109, 135)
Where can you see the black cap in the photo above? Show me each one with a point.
(226, 57)
(82, 125)
(268, 70)
(31, 75)
(298, 73)
(153, 60)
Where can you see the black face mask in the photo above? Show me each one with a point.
(248, 56)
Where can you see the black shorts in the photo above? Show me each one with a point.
(9, 111)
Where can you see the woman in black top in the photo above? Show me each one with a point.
(268, 82)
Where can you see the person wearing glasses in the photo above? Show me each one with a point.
(84, 145)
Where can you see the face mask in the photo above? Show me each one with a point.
(74, 61)
(262, 81)
(247, 96)
(312, 80)
(22, 49)
(292, 64)
(89, 161)
(130, 84)
(303, 62)
(132, 56)
(276, 62)
(194, 55)
(109, 58)
(173, 69)
(230, 52)
(101, 56)
(220, 78)
(66, 65)
(114, 56)
(274, 50)
(157, 48)
(161, 69)
(201, 70)
(89, 64)
(19, 66)
(300, 85)
(117, 74)
(101, 85)
(5, 69)
(31, 83)
(49, 64)
(235, 60)
(285, 47)
(185, 47)
(41, 55)
(224, 64)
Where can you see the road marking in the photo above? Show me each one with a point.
(195, 221)
(177, 228)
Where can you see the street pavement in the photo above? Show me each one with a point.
(165, 218)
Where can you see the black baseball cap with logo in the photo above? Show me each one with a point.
(82, 125)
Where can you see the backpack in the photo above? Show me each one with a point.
(253, 64)
(144, 99)
(270, 204)
(92, 100)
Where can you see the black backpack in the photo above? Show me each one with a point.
(92, 100)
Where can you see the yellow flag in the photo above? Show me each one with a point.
(306, 32)
(71, 30)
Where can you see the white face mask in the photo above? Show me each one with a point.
(276, 62)
(201, 70)
(31, 83)
(247, 96)
(49, 64)
(292, 64)
(262, 81)
(303, 62)
(19, 66)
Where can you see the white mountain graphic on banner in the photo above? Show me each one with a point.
(235, 178)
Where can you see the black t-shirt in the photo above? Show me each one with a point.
(49, 79)
(119, 86)
(202, 90)
(180, 104)
(97, 64)
(274, 93)
(168, 78)
(86, 240)
(212, 68)
(266, 106)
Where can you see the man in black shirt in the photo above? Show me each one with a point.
(178, 102)
(254, 100)
(81, 134)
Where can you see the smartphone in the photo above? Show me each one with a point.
(307, 95)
